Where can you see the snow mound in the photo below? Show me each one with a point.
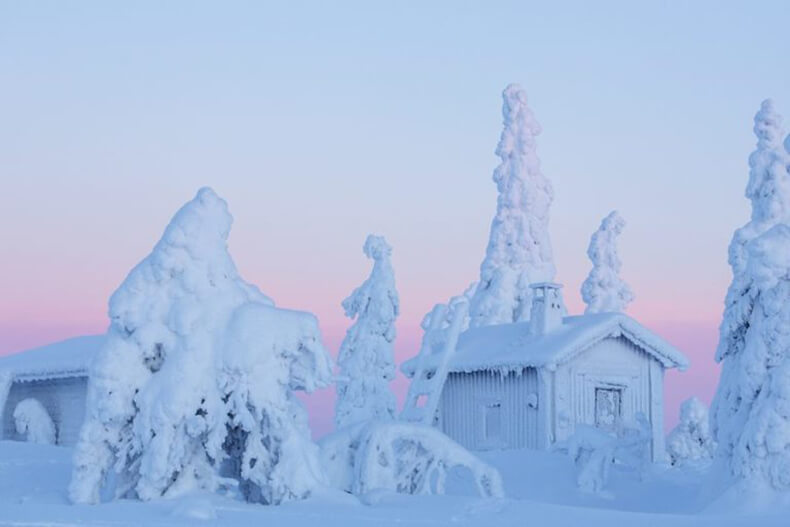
(33, 422)
(401, 457)
(192, 388)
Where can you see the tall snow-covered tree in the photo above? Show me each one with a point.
(519, 249)
(366, 357)
(604, 290)
(747, 417)
(194, 385)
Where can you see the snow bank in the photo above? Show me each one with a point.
(33, 422)
(366, 357)
(604, 290)
(519, 249)
(690, 442)
(193, 386)
(401, 457)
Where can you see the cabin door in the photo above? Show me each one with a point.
(608, 408)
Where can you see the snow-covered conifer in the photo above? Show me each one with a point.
(33, 422)
(604, 290)
(750, 336)
(366, 358)
(753, 398)
(193, 387)
(519, 250)
(691, 441)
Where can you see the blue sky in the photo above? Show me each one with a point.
(320, 122)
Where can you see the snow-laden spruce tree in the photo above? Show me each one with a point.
(748, 417)
(691, 442)
(194, 385)
(519, 250)
(753, 398)
(604, 290)
(366, 358)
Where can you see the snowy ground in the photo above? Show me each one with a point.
(540, 490)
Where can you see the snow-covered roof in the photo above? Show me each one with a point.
(67, 358)
(511, 346)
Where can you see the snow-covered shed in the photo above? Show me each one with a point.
(56, 376)
(527, 384)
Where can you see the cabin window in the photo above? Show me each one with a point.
(493, 421)
(608, 408)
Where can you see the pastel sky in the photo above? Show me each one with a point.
(321, 122)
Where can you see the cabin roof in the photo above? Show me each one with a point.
(511, 346)
(67, 358)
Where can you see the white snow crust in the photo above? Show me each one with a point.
(508, 347)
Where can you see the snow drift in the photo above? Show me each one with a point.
(193, 387)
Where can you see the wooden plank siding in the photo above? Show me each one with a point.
(466, 397)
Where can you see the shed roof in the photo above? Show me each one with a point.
(512, 346)
(67, 358)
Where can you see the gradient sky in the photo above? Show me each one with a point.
(320, 123)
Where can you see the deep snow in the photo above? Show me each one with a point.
(540, 487)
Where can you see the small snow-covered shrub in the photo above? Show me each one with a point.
(401, 457)
(594, 451)
(691, 442)
(366, 358)
(34, 423)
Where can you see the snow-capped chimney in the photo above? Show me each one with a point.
(546, 314)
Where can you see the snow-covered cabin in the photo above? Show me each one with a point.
(56, 375)
(527, 384)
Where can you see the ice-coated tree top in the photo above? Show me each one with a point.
(519, 250)
(604, 290)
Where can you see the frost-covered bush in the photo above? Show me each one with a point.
(749, 416)
(594, 451)
(194, 385)
(604, 290)
(33, 422)
(691, 442)
(366, 358)
(401, 457)
(519, 249)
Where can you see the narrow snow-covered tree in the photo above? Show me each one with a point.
(193, 387)
(519, 249)
(691, 442)
(747, 417)
(366, 358)
(604, 290)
